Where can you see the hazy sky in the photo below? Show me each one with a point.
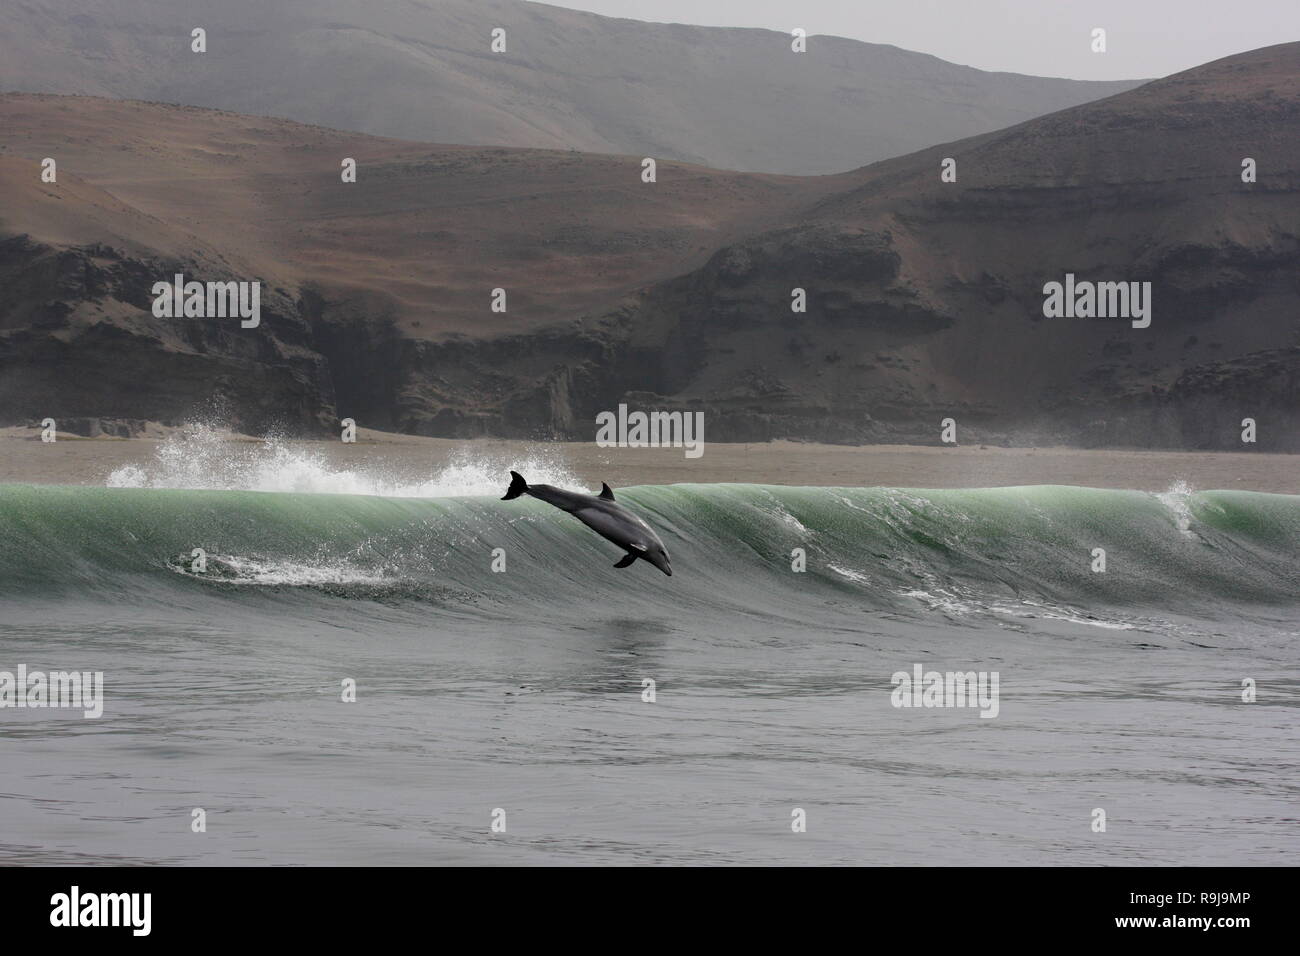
(1145, 38)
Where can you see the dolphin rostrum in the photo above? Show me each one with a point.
(602, 515)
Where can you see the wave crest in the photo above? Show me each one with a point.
(204, 458)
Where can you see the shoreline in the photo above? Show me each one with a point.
(75, 460)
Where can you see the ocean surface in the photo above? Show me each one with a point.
(518, 695)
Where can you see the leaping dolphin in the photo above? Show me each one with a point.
(602, 515)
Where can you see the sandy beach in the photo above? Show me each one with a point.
(73, 460)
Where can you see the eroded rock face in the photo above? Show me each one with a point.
(922, 299)
(79, 342)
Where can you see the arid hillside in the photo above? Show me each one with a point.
(924, 298)
(425, 70)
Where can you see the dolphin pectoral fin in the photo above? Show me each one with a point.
(627, 560)
(605, 493)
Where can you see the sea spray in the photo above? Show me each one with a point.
(204, 457)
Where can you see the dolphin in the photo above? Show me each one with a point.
(603, 515)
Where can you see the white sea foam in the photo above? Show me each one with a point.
(1178, 499)
(205, 458)
(850, 574)
(954, 601)
(276, 572)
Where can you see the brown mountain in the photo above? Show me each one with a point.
(924, 297)
(423, 70)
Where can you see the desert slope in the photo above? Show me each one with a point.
(924, 297)
(422, 70)
(360, 277)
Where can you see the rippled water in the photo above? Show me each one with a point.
(522, 691)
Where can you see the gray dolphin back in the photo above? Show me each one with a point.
(602, 515)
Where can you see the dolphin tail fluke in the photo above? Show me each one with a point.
(627, 560)
(517, 486)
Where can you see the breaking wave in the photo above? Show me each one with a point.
(205, 458)
(773, 552)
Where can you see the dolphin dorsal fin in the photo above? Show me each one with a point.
(605, 492)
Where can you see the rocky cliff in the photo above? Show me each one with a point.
(924, 297)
